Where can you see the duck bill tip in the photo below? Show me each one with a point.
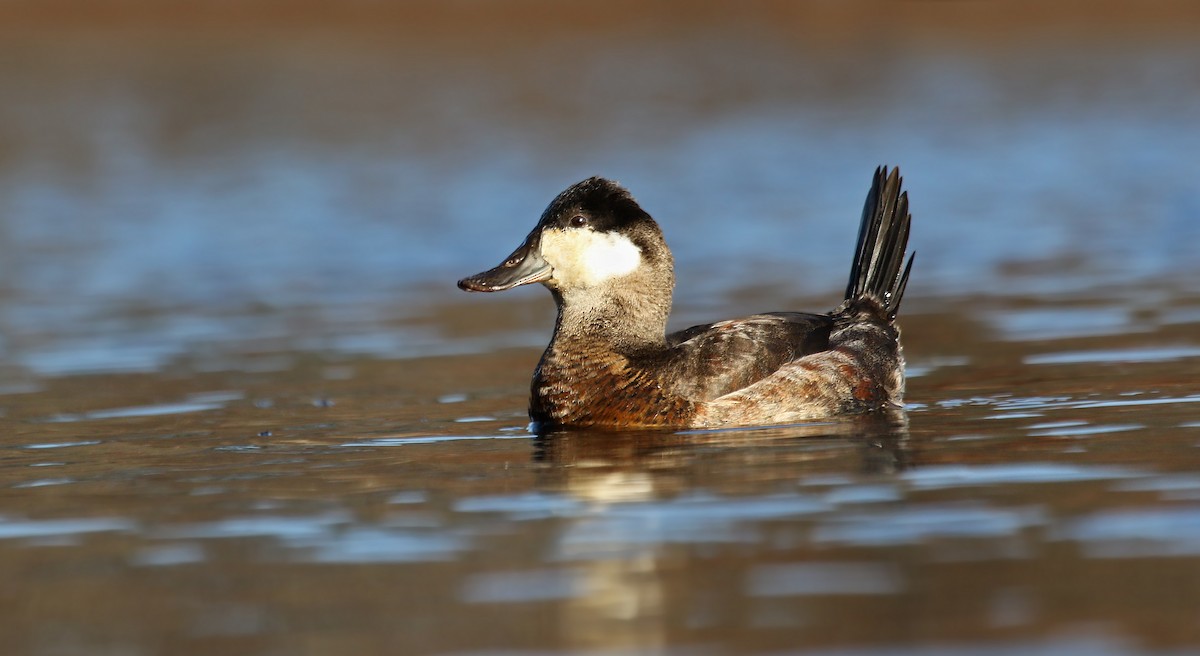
(505, 277)
(523, 267)
(476, 283)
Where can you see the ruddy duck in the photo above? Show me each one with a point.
(611, 362)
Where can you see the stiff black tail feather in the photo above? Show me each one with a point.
(882, 242)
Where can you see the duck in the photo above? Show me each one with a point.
(612, 364)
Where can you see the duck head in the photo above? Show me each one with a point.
(592, 235)
(599, 253)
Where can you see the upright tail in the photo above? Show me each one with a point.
(882, 241)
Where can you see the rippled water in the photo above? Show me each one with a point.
(245, 410)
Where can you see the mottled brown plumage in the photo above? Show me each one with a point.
(610, 362)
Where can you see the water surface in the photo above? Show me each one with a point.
(245, 410)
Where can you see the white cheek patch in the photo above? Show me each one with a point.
(583, 258)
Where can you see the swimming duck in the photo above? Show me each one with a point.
(611, 362)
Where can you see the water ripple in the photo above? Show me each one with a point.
(430, 439)
(1130, 355)
(947, 476)
(138, 411)
(829, 578)
(332, 537)
(1136, 533)
(917, 524)
(521, 587)
(41, 528)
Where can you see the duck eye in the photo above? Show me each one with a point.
(579, 221)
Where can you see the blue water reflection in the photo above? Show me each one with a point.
(1063, 181)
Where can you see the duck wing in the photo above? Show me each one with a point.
(710, 360)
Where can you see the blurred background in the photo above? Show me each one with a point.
(189, 178)
(230, 231)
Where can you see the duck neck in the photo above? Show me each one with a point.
(621, 318)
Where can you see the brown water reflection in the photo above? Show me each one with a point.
(343, 505)
(245, 412)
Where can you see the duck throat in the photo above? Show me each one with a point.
(593, 372)
(622, 316)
